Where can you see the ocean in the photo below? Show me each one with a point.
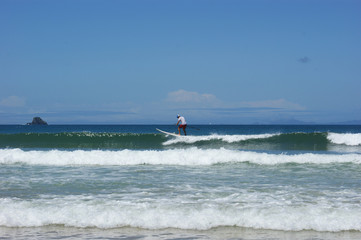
(219, 182)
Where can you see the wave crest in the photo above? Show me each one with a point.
(186, 157)
(350, 139)
(78, 211)
(224, 138)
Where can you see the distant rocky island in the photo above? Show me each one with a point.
(37, 121)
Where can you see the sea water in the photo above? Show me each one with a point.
(219, 182)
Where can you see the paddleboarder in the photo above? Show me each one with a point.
(183, 124)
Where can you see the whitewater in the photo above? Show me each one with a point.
(189, 157)
(221, 182)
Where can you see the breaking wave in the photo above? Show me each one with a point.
(85, 140)
(185, 157)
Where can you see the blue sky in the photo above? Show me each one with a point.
(131, 61)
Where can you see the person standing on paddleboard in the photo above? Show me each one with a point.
(183, 124)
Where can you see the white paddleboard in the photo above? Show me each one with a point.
(168, 133)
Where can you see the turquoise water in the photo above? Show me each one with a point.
(221, 182)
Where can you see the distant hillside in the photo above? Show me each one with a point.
(290, 122)
(354, 122)
(298, 122)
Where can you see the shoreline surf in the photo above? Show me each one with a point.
(252, 182)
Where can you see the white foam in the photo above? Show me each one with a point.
(350, 139)
(245, 211)
(225, 138)
(190, 156)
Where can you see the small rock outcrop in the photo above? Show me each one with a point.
(37, 121)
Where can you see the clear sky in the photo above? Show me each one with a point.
(225, 61)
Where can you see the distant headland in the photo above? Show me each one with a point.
(37, 121)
